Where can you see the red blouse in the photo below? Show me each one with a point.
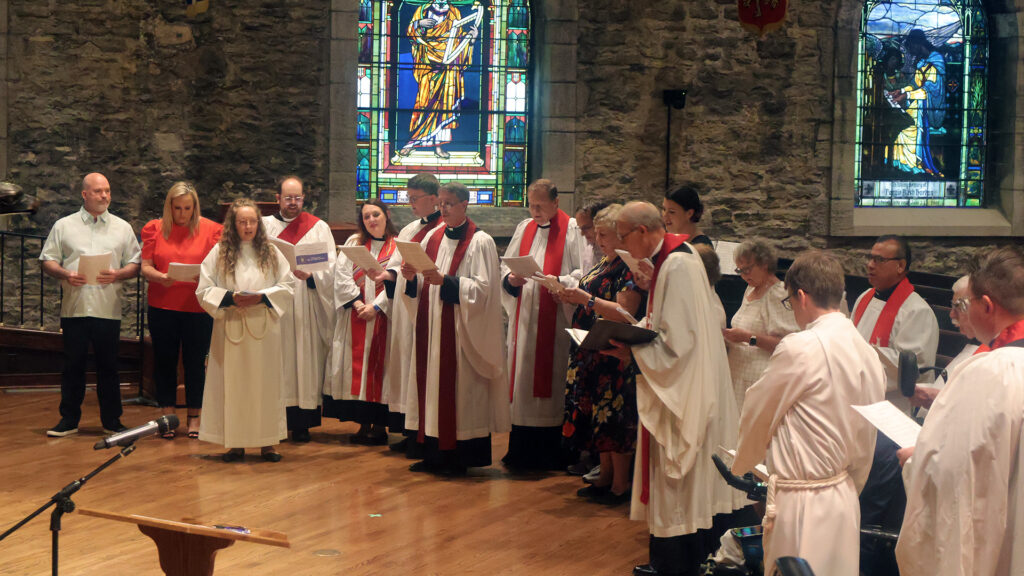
(183, 248)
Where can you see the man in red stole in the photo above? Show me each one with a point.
(965, 497)
(459, 397)
(422, 194)
(892, 318)
(307, 328)
(538, 345)
(684, 399)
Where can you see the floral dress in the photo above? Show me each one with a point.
(600, 396)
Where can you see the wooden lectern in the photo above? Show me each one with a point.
(187, 548)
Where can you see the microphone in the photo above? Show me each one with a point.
(158, 426)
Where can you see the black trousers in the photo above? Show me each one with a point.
(173, 331)
(104, 336)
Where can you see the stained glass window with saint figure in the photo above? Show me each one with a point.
(921, 104)
(443, 87)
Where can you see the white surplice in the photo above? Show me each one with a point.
(799, 414)
(308, 325)
(398, 375)
(243, 405)
(965, 496)
(338, 384)
(481, 389)
(684, 398)
(915, 330)
(528, 410)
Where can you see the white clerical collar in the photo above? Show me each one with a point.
(657, 250)
(283, 219)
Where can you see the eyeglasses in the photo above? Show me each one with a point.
(290, 199)
(415, 199)
(744, 270)
(787, 304)
(623, 236)
(876, 259)
(962, 304)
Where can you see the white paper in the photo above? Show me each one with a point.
(892, 422)
(729, 456)
(577, 335)
(523, 266)
(633, 262)
(362, 258)
(183, 272)
(414, 255)
(726, 260)
(91, 265)
(287, 249)
(312, 257)
(552, 284)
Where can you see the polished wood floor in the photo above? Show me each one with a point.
(346, 509)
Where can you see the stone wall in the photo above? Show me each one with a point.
(756, 131)
(230, 100)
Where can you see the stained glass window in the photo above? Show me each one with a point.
(443, 87)
(921, 103)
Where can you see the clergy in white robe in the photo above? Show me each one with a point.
(243, 404)
(537, 342)
(798, 415)
(965, 494)
(892, 318)
(359, 360)
(460, 393)
(309, 324)
(398, 376)
(684, 399)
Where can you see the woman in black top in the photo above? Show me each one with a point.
(681, 211)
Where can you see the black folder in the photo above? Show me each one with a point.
(605, 330)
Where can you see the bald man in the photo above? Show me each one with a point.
(90, 311)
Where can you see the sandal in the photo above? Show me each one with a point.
(193, 434)
(169, 435)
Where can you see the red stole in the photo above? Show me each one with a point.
(379, 340)
(547, 316)
(430, 225)
(883, 327)
(670, 244)
(297, 228)
(448, 370)
(1012, 333)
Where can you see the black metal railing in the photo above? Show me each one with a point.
(30, 299)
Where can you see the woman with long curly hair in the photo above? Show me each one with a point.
(245, 284)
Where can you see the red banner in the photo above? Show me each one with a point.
(762, 15)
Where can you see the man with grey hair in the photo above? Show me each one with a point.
(684, 399)
(90, 311)
(797, 418)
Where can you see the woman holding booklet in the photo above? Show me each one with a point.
(173, 246)
(355, 378)
(600, 401)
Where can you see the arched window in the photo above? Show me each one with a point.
(443, 87)
(921, 104)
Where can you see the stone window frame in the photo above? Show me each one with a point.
(552, 152)
(1004, 212)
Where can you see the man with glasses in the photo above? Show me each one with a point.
(965, 494)
(422, 195)
(798, 416)
(306, 329)
(893, 318)
(538, 345)
(684, 400)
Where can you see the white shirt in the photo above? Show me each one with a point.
(80, 234)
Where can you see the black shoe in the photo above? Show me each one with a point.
(301, 435)
(400, 446)
(233, 455)
(115, 428)
(62, 429)
(450, 470)
(271, 456)
(610, 498)
(592, 491)
(644, 570)
(421, 466)
(379, 439)
(414, 451)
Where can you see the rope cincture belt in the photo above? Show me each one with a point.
(776, 483)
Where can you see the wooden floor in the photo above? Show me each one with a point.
(346, 509)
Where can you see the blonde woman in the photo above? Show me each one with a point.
(176, 321)
(245, 284)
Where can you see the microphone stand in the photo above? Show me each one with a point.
(63, 503)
